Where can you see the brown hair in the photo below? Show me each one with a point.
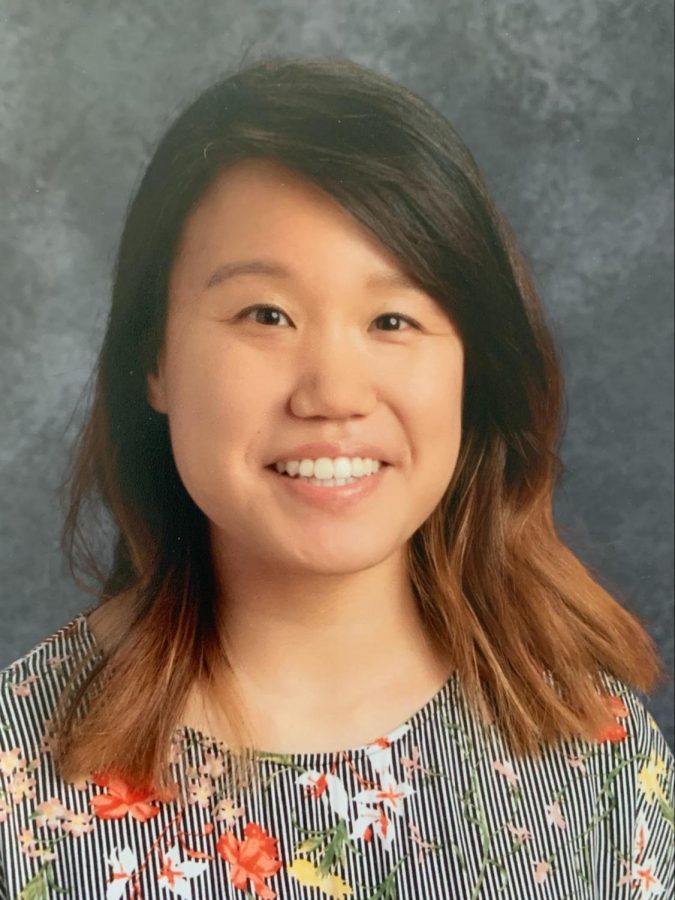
(527, 625)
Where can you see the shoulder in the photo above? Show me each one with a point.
(31, 686)
(639, 782)
(636, 730)
(34, 800)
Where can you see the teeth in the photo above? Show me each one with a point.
(342, 468)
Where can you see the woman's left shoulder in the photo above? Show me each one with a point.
(638, 793)
(635, 731)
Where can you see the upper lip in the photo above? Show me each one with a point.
(330, 449)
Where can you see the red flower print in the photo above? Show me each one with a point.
(169, 873)
(121, 798)
(617, 707)
(613, 733)
(317, 786)
(254, 858)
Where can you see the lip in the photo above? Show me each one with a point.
(331, 498)
(333, 449)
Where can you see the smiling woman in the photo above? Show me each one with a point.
(341, 649)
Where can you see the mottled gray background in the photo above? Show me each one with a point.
(567, 107)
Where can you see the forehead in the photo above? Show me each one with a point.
(263, 181)
(262, 208)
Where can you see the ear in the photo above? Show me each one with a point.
(156, 392)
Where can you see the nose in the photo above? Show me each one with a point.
(334, 380)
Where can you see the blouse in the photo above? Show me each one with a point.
(434, 810)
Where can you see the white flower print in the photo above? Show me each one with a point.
(641, 837)
(391, 793)
(641, 874)
(412, 802)
(176, 872)
(329, 787)
(377, 821)
(379, 751)
(124, 864)
(373, 804)
(644, 876)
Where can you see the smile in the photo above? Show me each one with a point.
(330, 493)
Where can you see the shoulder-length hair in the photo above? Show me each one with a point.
(528, 627)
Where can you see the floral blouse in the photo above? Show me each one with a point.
(434, 810)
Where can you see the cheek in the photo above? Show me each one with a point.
(434, 411)
(214, 405)
(434, 390)
(210, 384)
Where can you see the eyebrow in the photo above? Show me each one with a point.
(230, 270)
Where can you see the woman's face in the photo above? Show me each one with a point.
(331, 364)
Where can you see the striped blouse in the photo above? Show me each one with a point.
(436, 809)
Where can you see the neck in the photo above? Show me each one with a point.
(293, 637)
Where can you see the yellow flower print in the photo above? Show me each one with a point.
(648, 778)
(78, 824)
(213, 766)
(201, 791)
(309, 875)
(21, 787)
(226, 811)
(49, 813)
(10, 761)
(29, 846)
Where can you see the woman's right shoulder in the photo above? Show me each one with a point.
(31, 685)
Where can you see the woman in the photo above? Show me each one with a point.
(341, 650)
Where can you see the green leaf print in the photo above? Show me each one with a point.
(327, 847)
(40, 884)
(387, 889)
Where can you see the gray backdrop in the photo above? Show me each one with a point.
(567, 107)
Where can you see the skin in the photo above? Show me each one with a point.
(319, 616)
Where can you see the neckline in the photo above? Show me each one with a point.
(189, 736)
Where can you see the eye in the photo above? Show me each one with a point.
(392, 315)
(244, 314)
(389, 316)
